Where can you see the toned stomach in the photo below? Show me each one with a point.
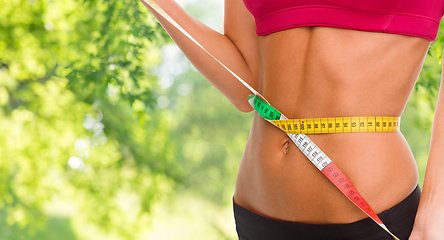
(317, 72)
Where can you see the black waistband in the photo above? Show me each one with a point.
(399, 219)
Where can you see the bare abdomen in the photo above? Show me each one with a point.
(285, 185)
(327, 72)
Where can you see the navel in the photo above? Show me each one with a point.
(286, 146)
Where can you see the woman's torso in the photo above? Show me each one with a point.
(314, 72)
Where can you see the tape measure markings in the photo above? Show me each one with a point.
(336, 125)
(332, 172)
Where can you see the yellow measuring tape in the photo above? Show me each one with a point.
(297, 128)
(338, 125)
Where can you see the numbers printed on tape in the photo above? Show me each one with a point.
(338, 125)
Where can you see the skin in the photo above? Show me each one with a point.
(331, 79)
(314, 72)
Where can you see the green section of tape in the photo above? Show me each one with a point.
(263, 108)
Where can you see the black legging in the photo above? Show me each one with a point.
(399, 219)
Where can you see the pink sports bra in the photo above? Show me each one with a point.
(418, 18)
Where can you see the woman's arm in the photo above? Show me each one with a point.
(237, 48)
(429, 223)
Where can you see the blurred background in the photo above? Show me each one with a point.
(108, 132)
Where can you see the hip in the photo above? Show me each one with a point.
(399, 219)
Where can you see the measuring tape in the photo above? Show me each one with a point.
(297, 128)
(338, 125)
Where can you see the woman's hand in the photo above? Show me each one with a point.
(429, 223)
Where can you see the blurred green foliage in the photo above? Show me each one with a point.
(97, 142)
(76, 84)
(84, 150)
